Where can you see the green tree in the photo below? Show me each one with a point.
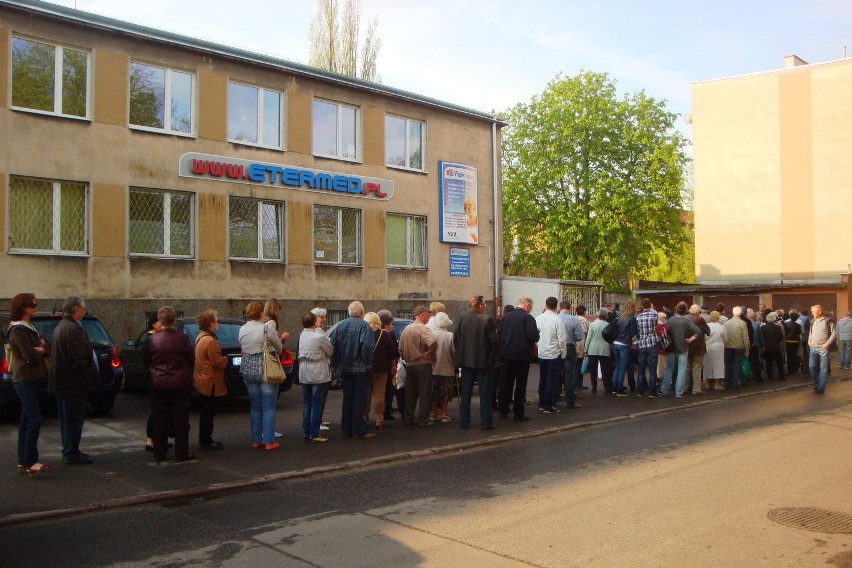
(334, 40)
(591, 182)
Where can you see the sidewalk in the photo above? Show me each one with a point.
(125, 476)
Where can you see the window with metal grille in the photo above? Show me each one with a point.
(337, 235)
(335, 130)
(405, 241)
(50, 78)
(160, 223)
(256, 229)
(405, 314)
(161, 99)
(403, 142)
(47, 216)
(254, 116)
(334, 317)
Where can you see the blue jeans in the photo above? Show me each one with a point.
(548, 379)
(734, 366)
(486, 412)
(263, 398)
(818, 363)
(30, 424)
(845, 353)
(312, 397)
(356, 389)
(675, 362)
(569, 366)
(647, 360)
(622, 358)
(72, 413)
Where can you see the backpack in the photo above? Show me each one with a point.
(666, 341)
(610, 332)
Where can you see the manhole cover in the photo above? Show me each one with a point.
(808, 518)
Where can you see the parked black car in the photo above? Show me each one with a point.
(109, 364)
(229, 339)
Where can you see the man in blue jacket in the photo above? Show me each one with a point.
(353, 343)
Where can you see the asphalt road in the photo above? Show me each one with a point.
(689, 488)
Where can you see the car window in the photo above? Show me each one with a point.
(98, 336)
(228, 334)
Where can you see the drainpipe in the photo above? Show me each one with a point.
(498, 252)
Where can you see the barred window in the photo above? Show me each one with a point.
(161, 99)
(334, 317)
(50, 78)
(405, 241)
(160, 223)
(47, 216)
(337, 235)
(403, 142)
(256, 229)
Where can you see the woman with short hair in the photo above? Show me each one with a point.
(29, 376)
(263, 396)
(714, 360)
(598, 351)
(443, 370)
(209, 376)
(315, 351)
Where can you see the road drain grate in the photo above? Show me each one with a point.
(811, 519)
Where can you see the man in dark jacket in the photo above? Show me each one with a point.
(73, 376)
(169, 357)
(353, 343)
(475, 341)
(683, 333)
(772, 345)
(697, 350)
(517, 335)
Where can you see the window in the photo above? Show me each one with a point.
(335, 130)
(50, 78)
(405, 241)
(337, 235)
(160, 223)
(47, 216)
(254, 116)
(161, 99)
(255, 228)
(403, 142)
(334, 317)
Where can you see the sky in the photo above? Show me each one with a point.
(490, 55)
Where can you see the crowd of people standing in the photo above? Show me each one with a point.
(688, 350)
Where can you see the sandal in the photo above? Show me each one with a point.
(37, 468)
(445, 418)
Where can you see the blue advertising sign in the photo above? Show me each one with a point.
(459, 261)
(458, 205)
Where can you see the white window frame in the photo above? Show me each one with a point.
(57, 79)
(167, 114)
(281, 117)
(56, 248)
(339, 155)
(167, 225)
(338, 261)
(409, 242)
(282, 211)
(408, 122)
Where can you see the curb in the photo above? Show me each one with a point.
(232, 486)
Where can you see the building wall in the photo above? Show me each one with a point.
(771, 164)
(111, 157)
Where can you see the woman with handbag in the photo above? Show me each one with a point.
(28, 351)
(255, 338)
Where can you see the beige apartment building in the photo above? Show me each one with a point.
(141, 167)
(773, 186)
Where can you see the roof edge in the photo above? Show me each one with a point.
(138, 31)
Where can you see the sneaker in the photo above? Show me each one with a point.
(319, 439)
(279, 435)
(551, 410)
(652, 395)
(273, 446)
(541, 409)
(324, 427)
(621, 393)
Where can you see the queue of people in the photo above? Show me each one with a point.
(427, 368)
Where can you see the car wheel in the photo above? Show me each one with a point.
(103, 405)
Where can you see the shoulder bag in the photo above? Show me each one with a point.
(273, 372)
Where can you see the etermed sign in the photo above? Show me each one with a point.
(235, 170)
